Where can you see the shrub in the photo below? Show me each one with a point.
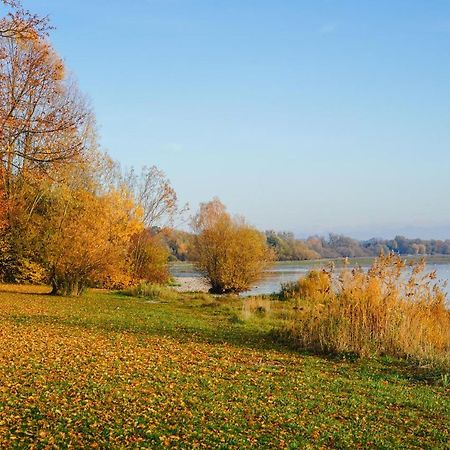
(30, 272)
(386, 310)
(21, 270)
(17, 265)
(229, 252)
(315, 285)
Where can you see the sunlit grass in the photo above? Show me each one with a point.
(113, 371)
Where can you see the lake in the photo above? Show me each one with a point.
(282, 272)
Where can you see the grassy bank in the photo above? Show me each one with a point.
(195, 371)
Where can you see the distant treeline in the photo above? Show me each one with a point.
(288, 248)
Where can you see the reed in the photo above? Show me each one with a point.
(390, 309)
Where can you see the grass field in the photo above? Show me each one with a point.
(111, 371)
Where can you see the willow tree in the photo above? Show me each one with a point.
(230, 253)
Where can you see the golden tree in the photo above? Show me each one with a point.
(85, 229)
(148, 257)
(230, 253)
(64, 206)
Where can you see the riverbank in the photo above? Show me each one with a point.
(191, 284)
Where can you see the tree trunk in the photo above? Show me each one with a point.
(55, 288)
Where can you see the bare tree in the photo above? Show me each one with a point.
(158, 201)
(155, 195)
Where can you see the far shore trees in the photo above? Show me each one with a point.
(229, 252)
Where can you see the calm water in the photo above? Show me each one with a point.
(281, 273)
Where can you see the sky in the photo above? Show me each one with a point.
(308, 116)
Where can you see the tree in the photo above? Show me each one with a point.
(85, 230)
(41, 114)
(21, 23)
(3, 208)
(149, 256)
(158, 202)
(66, 210)
(230, 253)
(180, 244)
(288, 248)
(43, 118)
(155, 195)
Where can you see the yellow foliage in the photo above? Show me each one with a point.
(232, 254)
(149, 257)
(386, 310)
(87, 233)
(30, 272)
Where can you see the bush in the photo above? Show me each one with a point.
(386, 310)
(229, 252)
(315, 285)
(29, 272)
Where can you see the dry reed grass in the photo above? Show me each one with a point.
(390, 309)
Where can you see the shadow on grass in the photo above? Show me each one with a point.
(229, 332)
(19, 290)
(411, 371)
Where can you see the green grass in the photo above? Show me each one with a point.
(113, 371)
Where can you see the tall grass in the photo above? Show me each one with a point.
(389, 309)
(152, 292)
(255, 306)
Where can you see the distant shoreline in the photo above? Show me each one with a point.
(189, 266)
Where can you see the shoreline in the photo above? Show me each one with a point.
(191, 284)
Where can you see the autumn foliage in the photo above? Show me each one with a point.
(69, 215)
(390, 309)
(149, 256)
(229, 252)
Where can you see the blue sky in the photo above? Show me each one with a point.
(310, 116)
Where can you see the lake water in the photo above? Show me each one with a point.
(284, 272)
